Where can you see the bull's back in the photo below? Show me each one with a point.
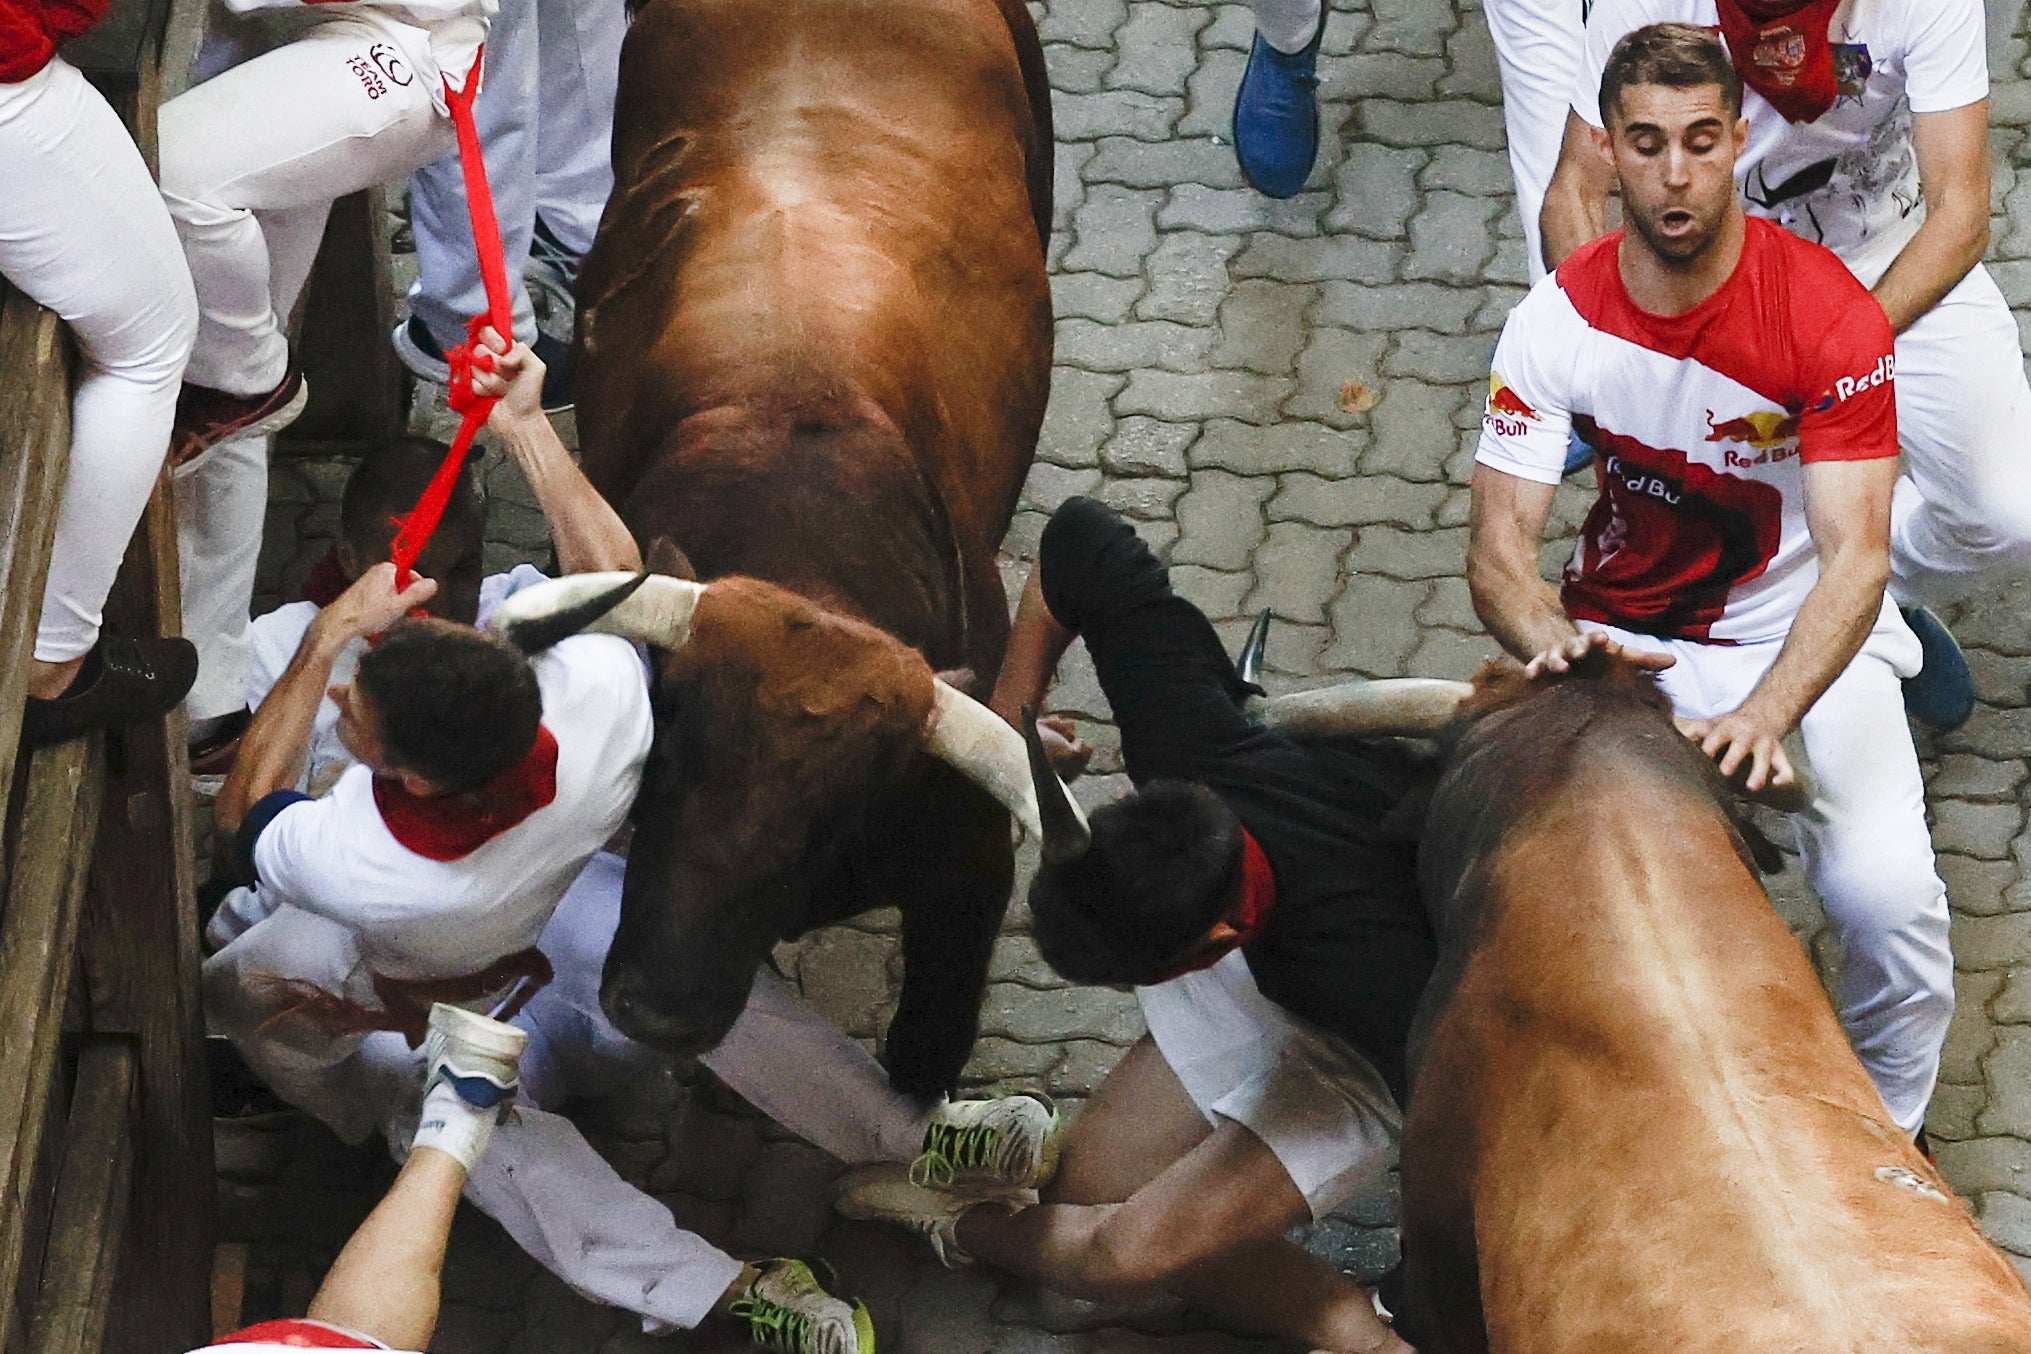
(823, 210)
(1666, 1140)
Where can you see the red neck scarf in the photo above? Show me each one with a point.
(1247, 919)
(1781, 50)
(445, 827)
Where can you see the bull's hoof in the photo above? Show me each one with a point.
(1276, 116)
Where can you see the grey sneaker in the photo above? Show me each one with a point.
(989, 1146)
(885, 1193)
(789, 1307)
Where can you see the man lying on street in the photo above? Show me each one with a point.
(1250, 887)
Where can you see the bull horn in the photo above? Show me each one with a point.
(1248, 667)
(1066, 836)
(974, 740)
(652, 608)
(1406, 706)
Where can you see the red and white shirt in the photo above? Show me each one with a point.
(1701, 423)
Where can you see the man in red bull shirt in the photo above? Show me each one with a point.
(1868, 133)
(1735, 383)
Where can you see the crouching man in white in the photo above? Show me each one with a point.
(559, 1199)
(1734, 381)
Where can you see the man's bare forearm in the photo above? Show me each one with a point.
(1829, 630)
(276, 746)
(589, 535)
(1522, 613)
(1576, 201)
(1035, 644)
(1946, 247)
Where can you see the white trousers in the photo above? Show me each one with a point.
(253, 159)
(1286, 25)
(545, 116)
(1538, 45)
(561, 1201)
(1962, 515)
(1867, 852)
(82, 230)
(251, 163)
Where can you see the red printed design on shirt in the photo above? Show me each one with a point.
(1668, 540)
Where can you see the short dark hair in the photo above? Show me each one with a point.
(456, 706)
(1163, 869)
(386, 484)
(1681, 56)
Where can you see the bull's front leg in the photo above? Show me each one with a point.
(950, 871)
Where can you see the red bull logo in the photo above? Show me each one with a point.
(1772, 435)
(1508, 413)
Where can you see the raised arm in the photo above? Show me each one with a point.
(1953, 172)
(1576, 204)
(589, 535)
(1847, 509)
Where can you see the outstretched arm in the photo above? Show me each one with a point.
(589, 534)
(273, 750)
(1847, 509)
(1521, 610)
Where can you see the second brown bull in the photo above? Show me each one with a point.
(814, 348)
(1634, 1122)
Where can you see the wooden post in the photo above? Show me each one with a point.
(90, 1215)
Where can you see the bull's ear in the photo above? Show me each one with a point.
(664, 557)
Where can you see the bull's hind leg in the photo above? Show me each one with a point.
(947, 864)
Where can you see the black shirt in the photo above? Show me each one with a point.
(1348, 946)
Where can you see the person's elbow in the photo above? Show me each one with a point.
(1863, 569)
(1491, 582)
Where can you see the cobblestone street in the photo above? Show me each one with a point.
(1285, 397)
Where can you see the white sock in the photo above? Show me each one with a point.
(453, 1127)
(1286, 25)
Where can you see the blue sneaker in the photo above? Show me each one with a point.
(1276, 116)
(1943, 692)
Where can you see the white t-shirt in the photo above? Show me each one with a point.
(1892, 58)
(422, 918)
(272, 642)
(1702, 423)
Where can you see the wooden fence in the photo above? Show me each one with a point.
(105, 1128)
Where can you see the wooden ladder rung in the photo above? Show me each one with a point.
(93, 1188)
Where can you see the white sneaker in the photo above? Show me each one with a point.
(788, 1307)
(476, 1056)
(988, 1147)
(885, 1192)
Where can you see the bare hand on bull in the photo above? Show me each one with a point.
(1561, 657)
(1062, 745)
(1743, 736)
(514, 377)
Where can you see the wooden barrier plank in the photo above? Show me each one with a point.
(141, 960)
(38, 945)
(358, 390)
(92, 1194)
(35, 437)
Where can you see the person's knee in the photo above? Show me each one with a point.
(1890, 913)
(1132, 1253)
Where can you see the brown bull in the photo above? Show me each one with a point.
(814, 348)
(1635, 1124)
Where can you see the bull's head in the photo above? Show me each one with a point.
(777, 721)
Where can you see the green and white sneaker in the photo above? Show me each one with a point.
(885, 1192)
(788, 1307)
(989, 1147)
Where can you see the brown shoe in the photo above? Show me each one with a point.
(207, 417)
(124, 681)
